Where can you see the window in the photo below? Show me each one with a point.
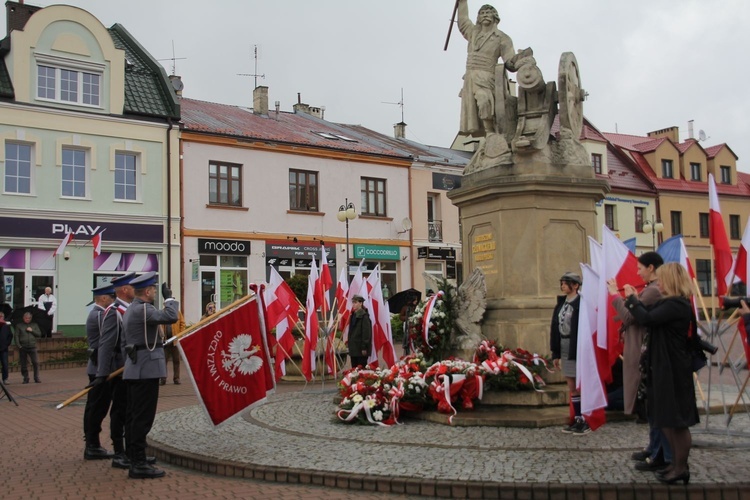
(224, 184)
(726, 174)
(609, 217)
(676, 219)
(695, 171)
(373, 196)
(74, 173)
(703, 224)
(17, 168)
(596, 162)
(666, 169)
(303, 190)
(734, 227)
(639, 218)
(703, 275)
(68, 85)
(125, 176)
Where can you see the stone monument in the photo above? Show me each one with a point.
(527, 198)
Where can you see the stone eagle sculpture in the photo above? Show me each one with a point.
(468, 311)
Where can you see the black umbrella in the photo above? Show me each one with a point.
(38, 316)
(400, 299)
(6, 309)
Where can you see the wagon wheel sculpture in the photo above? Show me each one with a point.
(571, 95)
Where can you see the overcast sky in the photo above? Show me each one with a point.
(647, 64)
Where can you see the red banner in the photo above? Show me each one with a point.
(227, 363)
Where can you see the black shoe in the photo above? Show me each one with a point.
(650, 465)
(96, 453)
(37, 381)
(640, 456)
(120, 461)
(142, 470)
(668, 479)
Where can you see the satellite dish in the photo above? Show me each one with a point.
(406, 224)
(702, 135)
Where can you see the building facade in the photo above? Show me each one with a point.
(86, 126)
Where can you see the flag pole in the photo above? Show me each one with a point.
(737, 401)
(187, 330)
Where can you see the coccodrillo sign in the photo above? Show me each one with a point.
(376, 252)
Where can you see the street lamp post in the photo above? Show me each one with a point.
(346, 213)
(652, 226)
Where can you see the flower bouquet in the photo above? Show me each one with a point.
(410, 378)
(452, 381)
(365, 398)
(510, 370)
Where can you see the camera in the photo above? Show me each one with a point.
(732, 302)
(707, 346)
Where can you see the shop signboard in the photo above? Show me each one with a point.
(377, 252)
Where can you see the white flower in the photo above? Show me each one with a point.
(387, 387)
(357, 398)
(442, 330)
(345, 401)
(418, 390)
(372, 403)
(377, 415)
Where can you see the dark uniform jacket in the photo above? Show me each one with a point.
(554, 337)
(360, 333)
(110, 345)
(93, 332)
(141, 324)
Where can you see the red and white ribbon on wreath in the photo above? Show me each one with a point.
(395, 393)
(428, 309)
(363, 405)
(446, 389)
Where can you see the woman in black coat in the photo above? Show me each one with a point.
(667, 364)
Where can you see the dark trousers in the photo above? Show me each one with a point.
(171, 352)
(143, 395)
(117, 414)
(4, 363)
(97, 406)
(23, 353)
(359, 360)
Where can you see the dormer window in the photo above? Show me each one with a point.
(68, 81)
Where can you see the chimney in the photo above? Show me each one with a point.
(17, 14)
(277, 105)
(399, 130)
(690, 129)
(672, 133)
(260, 101)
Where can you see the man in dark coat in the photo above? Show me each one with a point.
(100, 396)
(144, 366)
(360, 333)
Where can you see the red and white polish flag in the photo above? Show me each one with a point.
(225, 360)
(66, 239)
(96, 242)
(589, 375)
(742, 263)
(717, 237)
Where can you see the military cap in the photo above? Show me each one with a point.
(103, 290)
(145, 280)
(123, 280)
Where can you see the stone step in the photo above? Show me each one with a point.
(551, 395)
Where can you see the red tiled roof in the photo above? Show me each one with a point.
(622, 175)
(714, 150)
(650, 144)
(587, 132)
(683, 185)
(685, 145)
(624, 140)
(289, 128)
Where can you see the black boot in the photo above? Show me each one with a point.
(96, 452)
(142, 470)
(120, 461)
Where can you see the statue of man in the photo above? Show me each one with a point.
(486, 45)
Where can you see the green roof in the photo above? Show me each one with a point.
(148, 91)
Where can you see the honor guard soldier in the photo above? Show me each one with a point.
(144, 366)
(99, 397)
(111, 359)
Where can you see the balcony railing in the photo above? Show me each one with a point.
(435, 231)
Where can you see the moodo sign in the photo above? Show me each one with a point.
(224, 247)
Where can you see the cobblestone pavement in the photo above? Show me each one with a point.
(41, 453)
(293, 442)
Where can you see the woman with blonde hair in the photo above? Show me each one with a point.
(667, 364)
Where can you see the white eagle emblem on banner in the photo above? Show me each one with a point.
(240, 356)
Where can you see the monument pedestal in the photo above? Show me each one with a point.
(525, 225)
